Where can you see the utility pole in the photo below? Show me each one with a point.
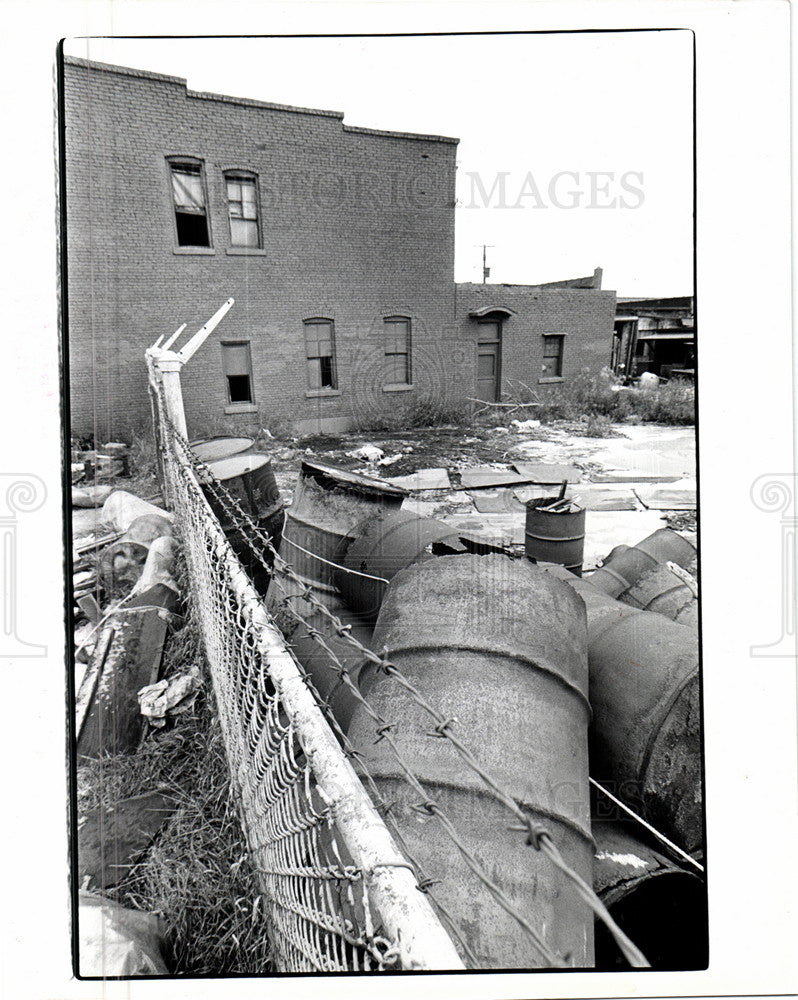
(485, 268)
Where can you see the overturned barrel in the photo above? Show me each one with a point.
(249, 479)
(556, 536)
(660, 905)
(666, 545)
(214, 448)
(499, 648)
(377, 548)
(626, 564)
(662, 591)
(328, 503)
(646, 729)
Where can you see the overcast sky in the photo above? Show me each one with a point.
(576, 150)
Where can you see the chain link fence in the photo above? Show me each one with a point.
(343, 888)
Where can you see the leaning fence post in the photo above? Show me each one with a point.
(170, 365)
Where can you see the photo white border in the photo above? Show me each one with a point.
(746, 424)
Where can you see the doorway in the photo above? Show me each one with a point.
(489, 360)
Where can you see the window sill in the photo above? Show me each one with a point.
(194, 251)
(321, 393)
(241, 408)
(398, 387)
(547, 381)
(245, 252)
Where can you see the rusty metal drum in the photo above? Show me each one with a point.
(661, 905)
(555, 536)
(378, 547)
(646, 700)
(662, 591)
(498, 647)
(215, 448)
(250, 479)
(328, 503)
(667, 545)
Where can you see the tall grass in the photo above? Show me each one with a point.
(587, 395)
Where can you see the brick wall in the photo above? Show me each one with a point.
(356, 225)
(585, 316)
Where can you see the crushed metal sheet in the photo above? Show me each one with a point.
(423, 479)
(497, 502)
(622, 476)
(485, 476)
(671, 498)
(542, 472)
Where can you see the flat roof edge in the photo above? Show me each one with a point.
(145, 74)
(390, 134)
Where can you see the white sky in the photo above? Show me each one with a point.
(619, 102)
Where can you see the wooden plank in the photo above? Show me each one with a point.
(111, 840)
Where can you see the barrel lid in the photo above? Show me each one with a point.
(237, 465)
(334, 475)
(212, 449)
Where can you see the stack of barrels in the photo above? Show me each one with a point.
(549, 679)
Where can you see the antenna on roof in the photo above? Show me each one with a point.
(485, 268)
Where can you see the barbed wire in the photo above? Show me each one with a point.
(537, 835)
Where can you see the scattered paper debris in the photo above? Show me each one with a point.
(366, 452)
(174, 696)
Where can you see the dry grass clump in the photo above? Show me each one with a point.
(195, 874)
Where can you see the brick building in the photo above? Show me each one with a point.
(336, 242)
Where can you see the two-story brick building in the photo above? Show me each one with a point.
(336, 242)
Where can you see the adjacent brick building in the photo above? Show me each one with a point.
(336, 242)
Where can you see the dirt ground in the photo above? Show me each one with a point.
(638, 453)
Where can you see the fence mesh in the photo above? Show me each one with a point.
(318, 882)
(340, 899)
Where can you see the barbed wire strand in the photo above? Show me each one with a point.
(537, 835)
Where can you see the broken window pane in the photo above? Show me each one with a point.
(237, 367)
(320, 354)
(188, 195)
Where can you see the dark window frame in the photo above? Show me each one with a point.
(191, 165)
(558, 355)
(248, 374)
(237, 174)
(326, 369)
(407, 353)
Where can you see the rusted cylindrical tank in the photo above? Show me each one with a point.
(328, 503)
(622, 568)
(666, 545)
(215, 448)
(646, 729)
(377, 548)
(497, 646)
(660, 905)
(250, 480)
(625, 565)
(662, 591)
(556, 536)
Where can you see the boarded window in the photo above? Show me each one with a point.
(237, 367)
(397, 350)
(188, 196)
(553, 344)
(320, 352)
(242, 210)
